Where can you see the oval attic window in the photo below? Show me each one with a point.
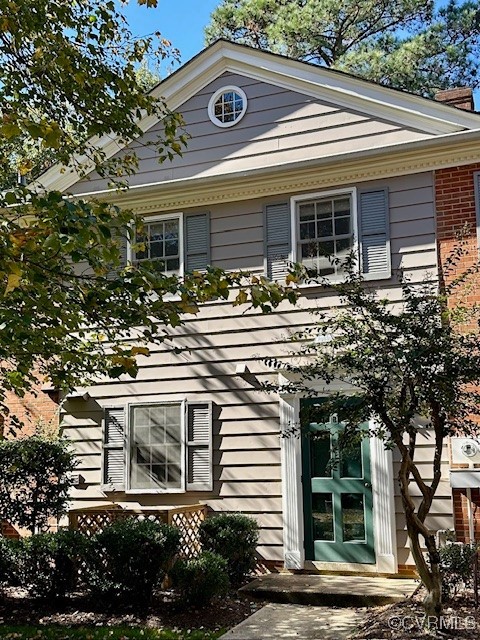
(227, 106)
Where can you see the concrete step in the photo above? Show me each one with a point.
(326, 590)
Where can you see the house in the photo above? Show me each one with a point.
(284, 159)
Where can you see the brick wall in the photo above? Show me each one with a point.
(7, 531)
(32, 409)
(455, 206)
(460, 506)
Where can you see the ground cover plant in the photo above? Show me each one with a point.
(106, 633)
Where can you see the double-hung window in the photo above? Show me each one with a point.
(322, 229)
(158, 447)
(175, 243)
(325, 232)
(161, 242)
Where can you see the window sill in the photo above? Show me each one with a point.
(335, 281)
(137, 492)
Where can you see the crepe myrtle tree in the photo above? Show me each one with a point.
(411, 366)
(70, 310)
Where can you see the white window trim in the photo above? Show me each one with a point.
(181, 240)
(128, 446)
(214, 98)
(294, 224)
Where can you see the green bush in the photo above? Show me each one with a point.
(456, 565)
(48, 564)
(200, 579)
(234, 537)
(128, 559)
(8, 561)
(42, 468)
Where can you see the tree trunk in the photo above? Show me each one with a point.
(429, 572)
(433, 599)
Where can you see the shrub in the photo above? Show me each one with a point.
(234, 537)
(8, 561)
(456, 565)
(200, 579)
(48, 564)
(128, 559)
(35, 480)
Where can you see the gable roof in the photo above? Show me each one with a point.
(406, 109)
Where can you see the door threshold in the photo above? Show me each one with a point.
(344, 568)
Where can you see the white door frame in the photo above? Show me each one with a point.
(292, 496)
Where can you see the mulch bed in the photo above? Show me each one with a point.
(165, 612)
(405, 620)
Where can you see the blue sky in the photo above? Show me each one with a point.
(180, 21)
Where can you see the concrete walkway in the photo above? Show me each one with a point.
(311, 607)
(276, 621)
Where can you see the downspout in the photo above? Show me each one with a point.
(471, 526)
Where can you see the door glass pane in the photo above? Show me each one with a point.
(353, 514)
(320, 456)
(351, 461)
(322, 512)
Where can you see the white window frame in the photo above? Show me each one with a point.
(128, 444)
(320, 195)
(213, 100)
(181, 240)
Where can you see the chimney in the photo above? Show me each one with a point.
(460, 97)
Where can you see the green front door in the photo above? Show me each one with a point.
(337, 496)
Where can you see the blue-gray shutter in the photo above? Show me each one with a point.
(122, 254)
(199, 446)
(197, 242)
(114, 449)
(374, 227)
(277, 240)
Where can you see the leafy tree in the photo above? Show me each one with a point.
(412, 367)
(68, 76)
(35, 478)
(409, 44)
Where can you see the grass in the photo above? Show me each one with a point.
(101, 633)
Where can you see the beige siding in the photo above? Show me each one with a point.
(441, 513)
(247, 471)
(280, 126)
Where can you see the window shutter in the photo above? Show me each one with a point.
(114, 449)
(374, 225)
(277, 240)
(197, 242)
(122, 254)
(199, 446)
